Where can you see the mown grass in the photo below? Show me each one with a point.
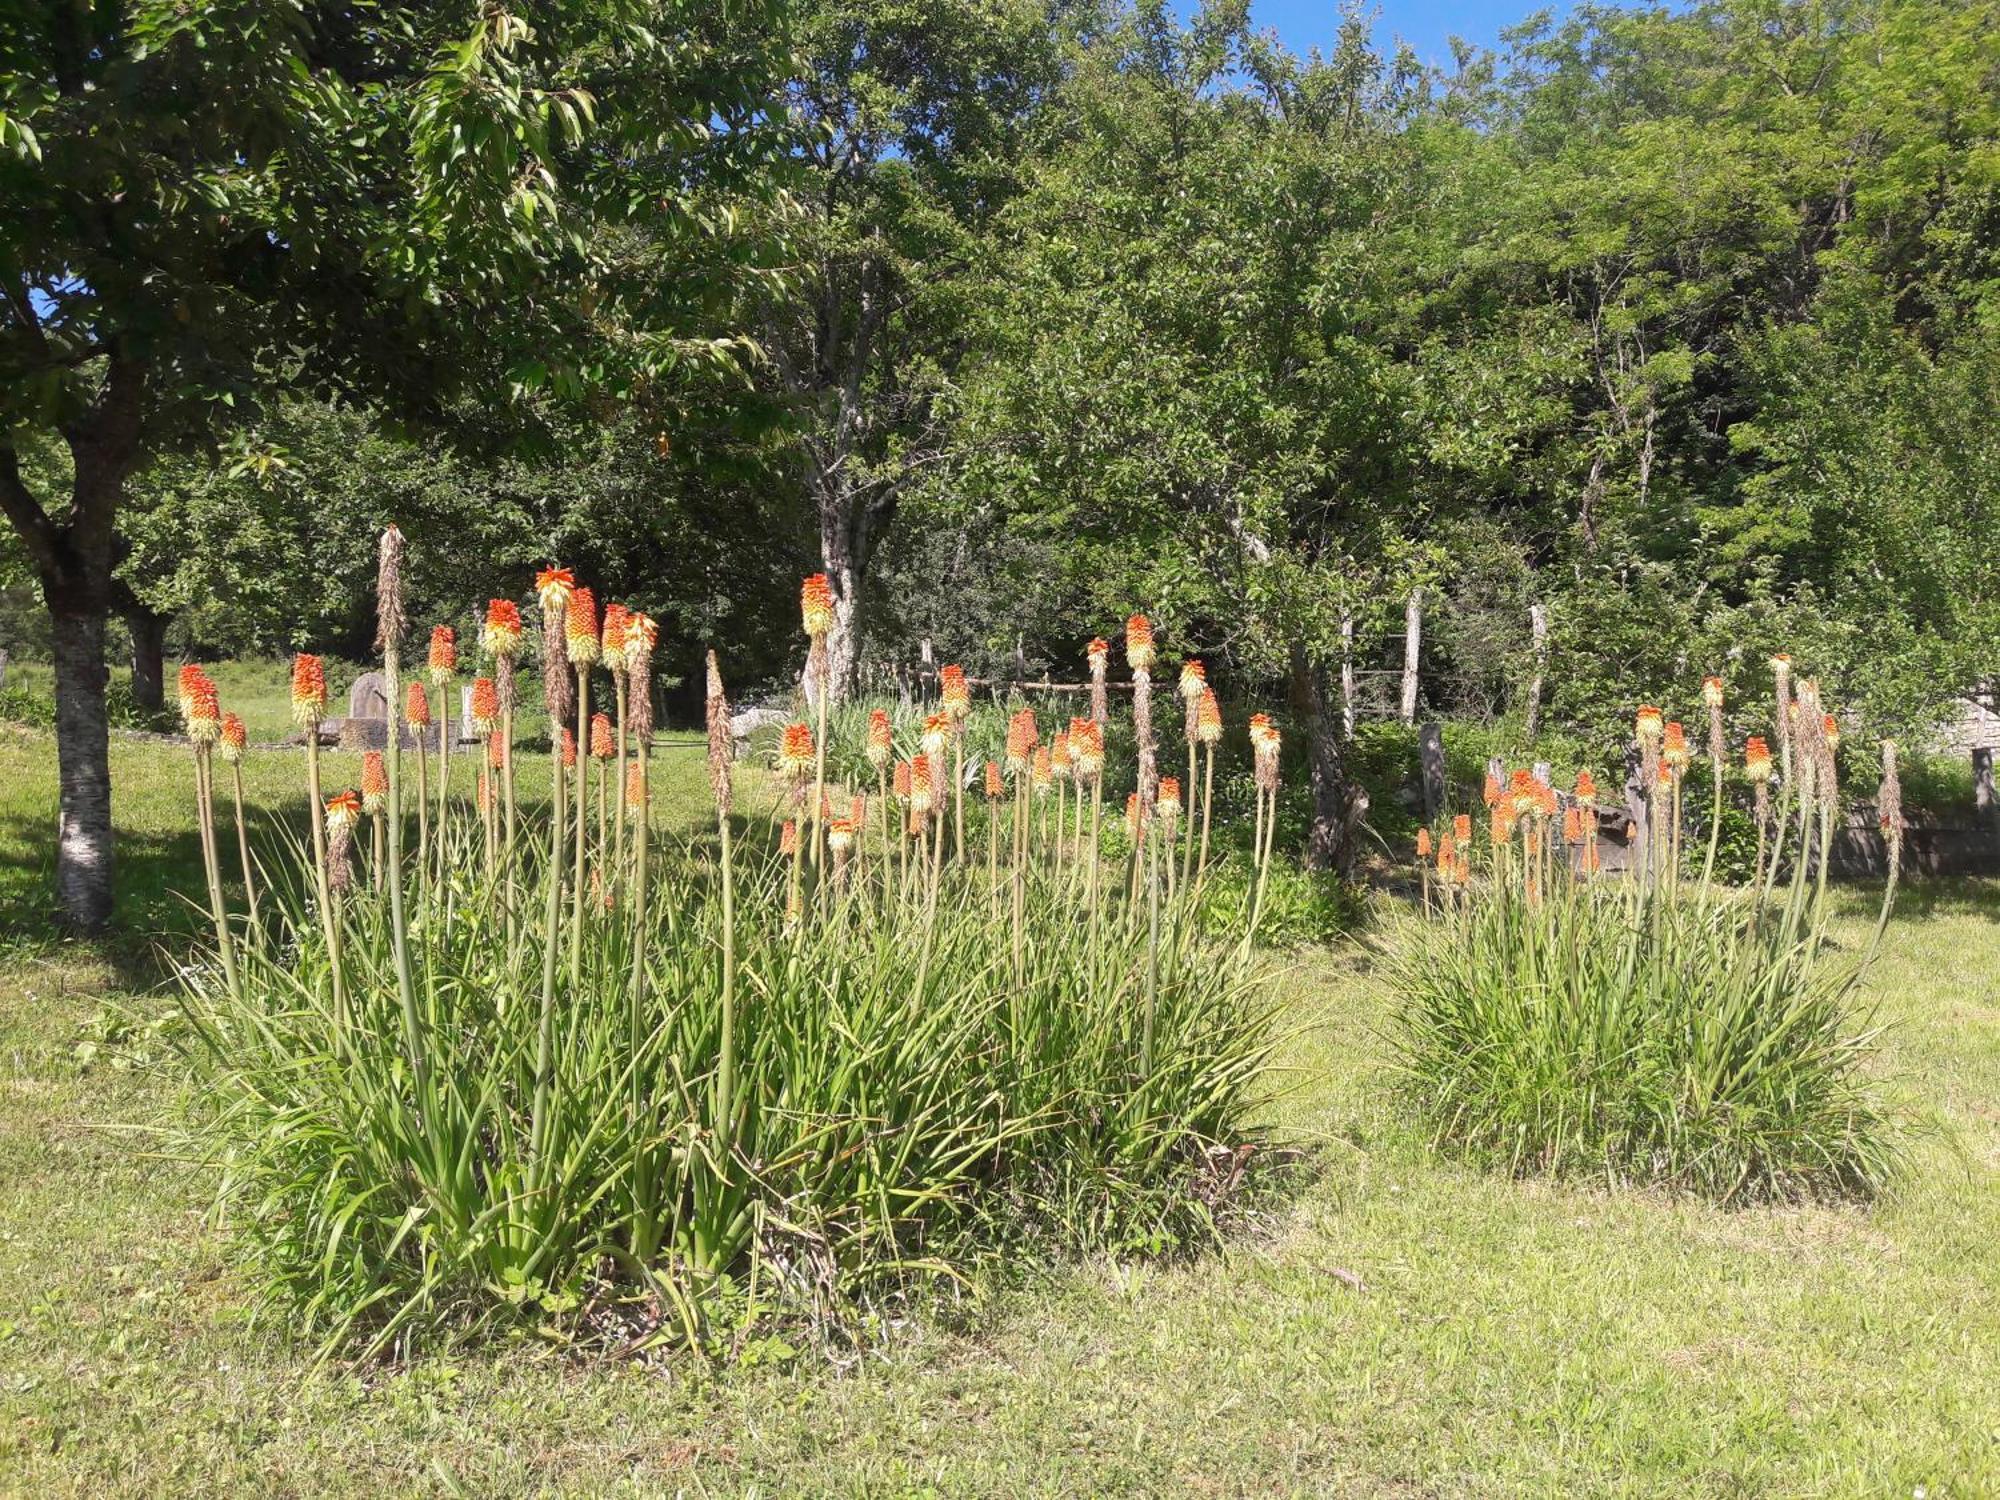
(1400, 1326)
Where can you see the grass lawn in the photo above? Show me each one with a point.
(1399, 1327)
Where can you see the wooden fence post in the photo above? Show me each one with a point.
(1413, 640)
(1538, 628)
(1985, 802)
(1347, 673)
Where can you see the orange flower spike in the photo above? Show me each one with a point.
(1711, 691)
(795, 748)
(880, 746)
(1572, 825)
(617, 623)
(443, 657)
(788, 837)
(1500, 828)
(816, 605)
(1492, 792)
(569, 749)
(553, 586)
(1423, 843)
(485, 705)
(1447, 853)
(501, 636)
(496, 752)
(201, 706)
(1521, 794)
(1194, 680)
(1830, 726)
(580, 628)
(937, 730)
(602, 745)
(1545, 800)
(1647, 725)
(1060, 763)
(417, 707)
(1167, 801)
(343, 811)
(635, 786)
(954, 695)
(1586, 788)
(1021, 736)
(1139, 648)
(308, 690)
(374, 782)
(900, 782)
(1757, 759)
(1044, 768)
(1462, 871)
(232, 738)
(1461, 827)
(857, 810)
(995, 787)
(191, 677)
(1097, 653)
(1208, 717)
(1674, 751)
(920, 784)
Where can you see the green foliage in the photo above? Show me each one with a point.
(908, 1106)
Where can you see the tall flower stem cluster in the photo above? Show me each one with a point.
(1562, 1018)
(692, 1075)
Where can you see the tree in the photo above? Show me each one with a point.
(913, 117)
(391, 199)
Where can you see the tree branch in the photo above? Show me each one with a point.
(31, 523)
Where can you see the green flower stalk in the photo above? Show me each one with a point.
(390, 625)
(203, 718)
(308, 708)
(580, 640)
(230, 746)
(442, 666)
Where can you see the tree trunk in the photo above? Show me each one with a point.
(1413, 641)
(149, 644)
(1337, 803)
(1347, 673)
(83, 759)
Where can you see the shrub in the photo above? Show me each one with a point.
(1655, 1029)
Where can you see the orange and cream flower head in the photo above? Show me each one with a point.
(1135, 817)
(1139, 648)
(1500, 825)
(1586, 789)
(308, 690)
(1648, 725)
(500, 637)
(1045, 768)
(417, 706)
(553, 586)
(580, 628)
(816, 605)
(795, 748)
(1097, 653)
(1059, 758)
(937, 732)
(1021, 736)
(232, 739)
(955, 697)
(881, 747)
(602, 745)
(1208, 718)
(1757, 760)
(641, 629)
(1167, 801)
(568, 748)
(840, 836)
(1086, 748)
(1572, 825)
(1423, 843)
(899, 781)
(1711, 691)
(1491, 794)
(788, 837)
(1521, 798)
(1461, 827)
(343, 811)
(1447, 854)
(1830, 727)
(635, 786)
(374, 783)
(1194, 680)
(995, 787)
(200, 706)
(1674, 749)
(617, 624)
(920, 784)
(443, 656)
(485, 705)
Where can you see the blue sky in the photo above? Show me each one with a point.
(1424, 24)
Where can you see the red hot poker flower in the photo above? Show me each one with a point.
(617, 625)
(995, 787)
(443, 660)
(502, 634)
(233, 738)
(1194, 680)
(602, 745)
(417, 706)
(569, 749)
(880, 747)
(795, 748)
(580, 628)
(955, 697)
(485, 705)
(374, 782)
(308, 690)
(553, 587)
(816, 605)
(1139, 648)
